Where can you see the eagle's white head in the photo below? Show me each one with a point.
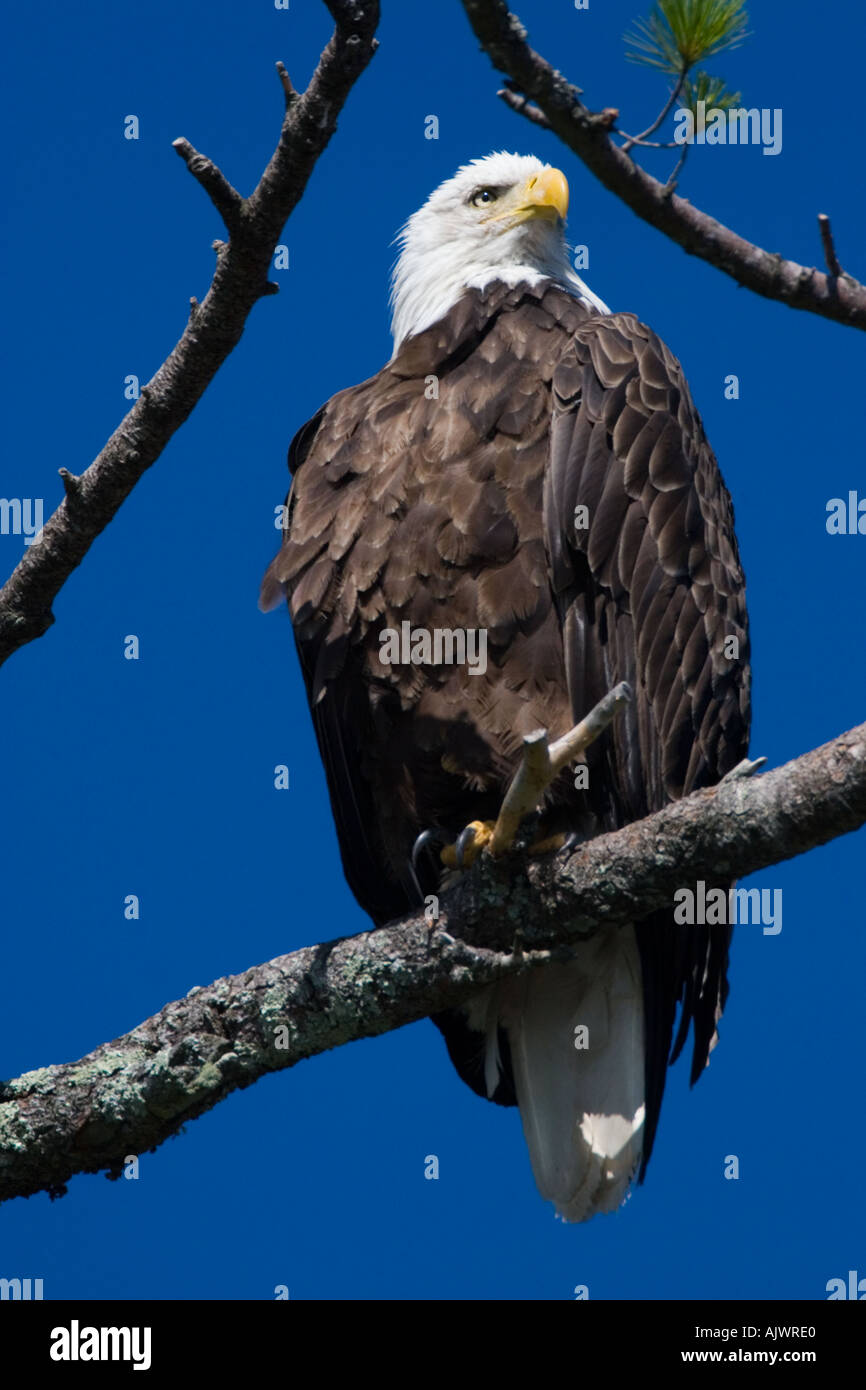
(499, 218)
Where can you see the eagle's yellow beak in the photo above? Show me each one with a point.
(544, 195)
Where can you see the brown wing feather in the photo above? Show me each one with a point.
(428, 510)
(656, 587)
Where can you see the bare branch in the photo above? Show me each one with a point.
(646, 144)
(677, 170)
(227, 201)
(529, 784)
(651, 129)
(578, 739)
(71, 486)
(841, 298)
(829, 248)
(542, 762)
(524, 107)
(290, 93)
(131, 1094)
(213, 328)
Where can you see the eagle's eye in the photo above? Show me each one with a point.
(483, 195)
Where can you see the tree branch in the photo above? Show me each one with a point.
(829, 247)
(542, 762)
(505, 916)
(841, 298)
(227, 201)
(523, 106)
(213, 329)
(651, 129)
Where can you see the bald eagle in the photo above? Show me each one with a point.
(528, 468)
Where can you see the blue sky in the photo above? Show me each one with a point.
(155, 777)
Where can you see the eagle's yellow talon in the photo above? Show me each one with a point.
(471, 846)
(477, 836)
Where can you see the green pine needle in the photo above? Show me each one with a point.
(680, 33)
(711, 90)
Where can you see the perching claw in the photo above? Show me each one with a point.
(426, 840)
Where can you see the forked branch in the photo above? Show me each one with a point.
(541, 762)
(214, 327)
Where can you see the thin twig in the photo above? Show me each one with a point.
(830, 256)
(518, 102)
(677, 170)
(641, 139)
(646, 144)
(71, 484)
(572, 744)
(290, 93)
(529, 784)
(227, 201)
(540, 763)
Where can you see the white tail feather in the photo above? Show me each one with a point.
(582, 1106)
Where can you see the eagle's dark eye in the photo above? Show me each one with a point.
(484, 195)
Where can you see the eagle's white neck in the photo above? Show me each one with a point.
(430, 278)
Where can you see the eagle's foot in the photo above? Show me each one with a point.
(478, 836)
(469, 844)
(548, 843)
(426, 840)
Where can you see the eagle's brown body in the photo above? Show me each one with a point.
(443, 492)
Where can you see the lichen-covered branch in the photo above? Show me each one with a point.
(545, 97)
(506, 915)
(215, 326)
